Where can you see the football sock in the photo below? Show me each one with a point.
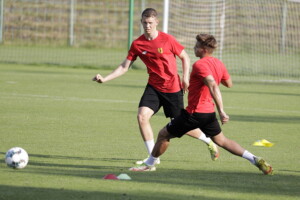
(249, 156)
(151, 160)
(204, 138)
(149, 145)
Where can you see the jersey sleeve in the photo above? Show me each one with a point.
(132, 53)
(176, 46)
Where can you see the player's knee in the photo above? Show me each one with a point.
(143, 118)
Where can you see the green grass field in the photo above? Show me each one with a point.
(76, 131)
(260, 66)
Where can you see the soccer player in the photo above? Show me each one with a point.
(158, 51)
(207, 73)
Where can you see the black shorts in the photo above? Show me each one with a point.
(172, 103)
(185, 122)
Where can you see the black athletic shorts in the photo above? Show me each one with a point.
(185, 122)
(172, 103)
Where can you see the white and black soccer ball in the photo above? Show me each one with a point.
(16, 158)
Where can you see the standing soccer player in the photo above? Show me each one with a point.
(207, 74)
(158, 51)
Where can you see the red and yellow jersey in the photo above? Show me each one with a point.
(199, 98)
(159, 56)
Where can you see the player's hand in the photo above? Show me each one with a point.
(224, 117)
(185, 86)
(98, 78)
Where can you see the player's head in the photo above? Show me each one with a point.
(149, 20)
(206, 44)
(149, 12)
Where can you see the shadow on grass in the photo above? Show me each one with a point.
(31, 193)
(254, 182)
(227, 181)
(262, 93)
(241, 183)
(75, 157)
(60, 162)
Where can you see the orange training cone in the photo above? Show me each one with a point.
(110, 176)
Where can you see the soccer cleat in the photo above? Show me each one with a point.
(262, 165)
(139, 162)
(143, 168)
(214, 151)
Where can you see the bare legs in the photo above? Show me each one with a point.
(144, 116)
(228, 144)
(164, 137)
(162, 142)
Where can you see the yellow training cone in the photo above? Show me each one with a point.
(266, 143)
(262, 143)
(258, 143)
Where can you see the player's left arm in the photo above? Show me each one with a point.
(227, 83)
(215, 92)
(226, 79)
(185, 59)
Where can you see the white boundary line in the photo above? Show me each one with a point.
(264, 110)
(60, 98)
(280, 81)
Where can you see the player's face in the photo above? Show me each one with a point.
(149, 24)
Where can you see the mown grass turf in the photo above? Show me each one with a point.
(76, 131)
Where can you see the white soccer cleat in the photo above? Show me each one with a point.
(139, 162)
(143, 168)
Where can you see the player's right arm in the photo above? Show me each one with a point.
(215, 92)
(119, 71)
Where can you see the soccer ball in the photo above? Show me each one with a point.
(16, 158)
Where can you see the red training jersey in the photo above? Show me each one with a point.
(159, 56)
(199, 98)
